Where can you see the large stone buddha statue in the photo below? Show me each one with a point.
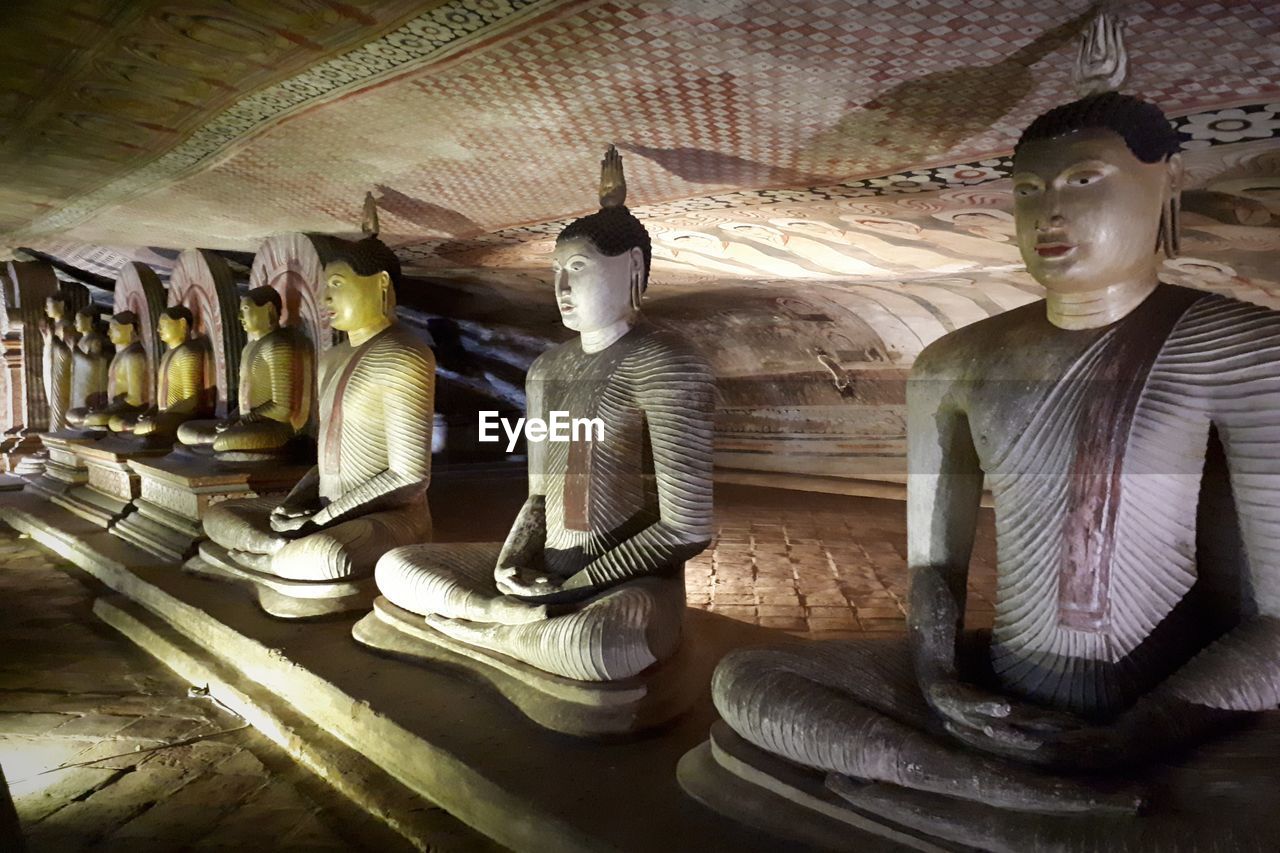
(1127, 430)
(129, 389)
(277, 374)
(90, 366)
(589, 583)
(60, 338)
(313, 553)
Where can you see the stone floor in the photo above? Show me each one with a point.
(84, 719)
(819, 566)
(72, 692)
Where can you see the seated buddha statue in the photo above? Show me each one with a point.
(276, 379)
(129, 389)
(588, 585)
(90, 366)
(313, 553)
(183, 391)
(1126, 430)
(59, 339)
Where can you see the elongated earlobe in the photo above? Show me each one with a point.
(1167, 240)
(637, 287)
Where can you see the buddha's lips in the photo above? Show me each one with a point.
(1053, 250)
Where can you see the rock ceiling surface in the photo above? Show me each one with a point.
(175, 124)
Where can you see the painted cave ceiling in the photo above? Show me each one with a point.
(862, 143)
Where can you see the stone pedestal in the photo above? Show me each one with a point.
(22, 455)
(111, 485)
(63, 469)
(175, 490)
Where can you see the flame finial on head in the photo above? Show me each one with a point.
(369, 222)
(613, 184)
(1102, 62)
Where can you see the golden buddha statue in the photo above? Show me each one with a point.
(129, 390)
(59, 340)
(589, 585)
(277, 375)
(182, 388)
(1125, 698)
(314, 552)
(90, 366)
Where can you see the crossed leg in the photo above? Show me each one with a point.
(853, 708)
(610, 636)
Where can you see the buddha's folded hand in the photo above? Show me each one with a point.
(512, 580)
(995, 723)
(291, 524)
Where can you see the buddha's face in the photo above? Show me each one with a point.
(354, 301)
(593, 290)
(54, 309)
(84, 323)
(172, 330)
(257, 319)
(1087, 211)
(121, 334)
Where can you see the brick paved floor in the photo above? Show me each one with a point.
(819, 566)
(71, 690)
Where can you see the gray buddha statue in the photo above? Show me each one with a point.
(129, 389)
(313, 553)
(589, 583)
(90, 367)
(60, 338)
(277, 374)
(1126, 429)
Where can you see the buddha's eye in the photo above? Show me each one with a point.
(1083, 179)
(574, 266)
(1025, 190)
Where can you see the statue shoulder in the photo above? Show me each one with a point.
(189, 353)
(283, 339)
(546, 362)
(400, 343)
(666, 352)
(970, 348)
(1228, 325)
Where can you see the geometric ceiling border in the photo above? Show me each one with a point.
(1198, 130)
(445, 31)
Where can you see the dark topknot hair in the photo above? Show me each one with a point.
(368, 256)
(180, 312)
(1145, 130)
(266, 294)
(125, 318)
(614, 231)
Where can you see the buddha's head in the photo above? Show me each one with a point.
(1096, 187)
(123, 328)
(601, 261)
(55, 308)
(87, 320)
(174, 326)
(361, 277)
(260, 311)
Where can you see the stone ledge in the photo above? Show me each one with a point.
(342, 767)
(439, 732)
